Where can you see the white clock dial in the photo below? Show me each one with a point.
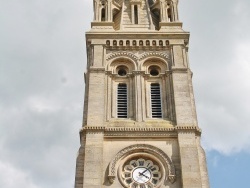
(141, 173)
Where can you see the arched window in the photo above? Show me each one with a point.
(103, 15)
(169, 12)
(120, 87)
(156, 87)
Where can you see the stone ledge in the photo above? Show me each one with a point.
(140, 131)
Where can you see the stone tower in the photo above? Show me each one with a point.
(139, 126)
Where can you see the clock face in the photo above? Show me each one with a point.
(141, 173)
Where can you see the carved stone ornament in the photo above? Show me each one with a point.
(158, 153)
(135, 1)
(120, 54)
(145, 55)
(111, 179)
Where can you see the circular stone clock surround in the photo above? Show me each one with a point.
(152, 166)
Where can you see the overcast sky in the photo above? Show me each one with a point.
(42, 60)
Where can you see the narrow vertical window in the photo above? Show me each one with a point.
(103, 14)
(156, 100)
(170, 15)
(136, 14)
(122, 101)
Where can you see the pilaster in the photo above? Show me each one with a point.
(93, 163)
(189, 156)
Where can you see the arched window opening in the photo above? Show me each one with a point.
(122, 101)
(122, 71)
(136, 14)
(121, 43)
(154, 70)
(103, 15)
(127, 42)
(170, 19)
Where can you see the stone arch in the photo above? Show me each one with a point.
(118, 61)
(113, 165)
(124, 54)
(157, 61)
(161, 55)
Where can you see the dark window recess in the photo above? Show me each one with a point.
(154, 72)
(122, 101)
(156, 100)
(136, 14)
(103, 18)
(122, 72)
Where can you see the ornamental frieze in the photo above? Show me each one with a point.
(138, 56)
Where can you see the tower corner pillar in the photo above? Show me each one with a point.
(189, 158)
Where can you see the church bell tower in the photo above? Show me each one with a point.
(139, 125)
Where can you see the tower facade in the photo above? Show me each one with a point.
(139, 127)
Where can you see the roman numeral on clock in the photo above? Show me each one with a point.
(141, 163)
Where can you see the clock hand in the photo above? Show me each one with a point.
(144, 171)
(141, 174)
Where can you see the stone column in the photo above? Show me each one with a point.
(162, 10)
(138, 97)
(175, 11)
(96, 8)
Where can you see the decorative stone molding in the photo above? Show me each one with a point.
(114, 75)
(188, 129)
(172, 178)
(144, 44)
(138, 72)
(135, 1)
(141, 131)
(156, 129)
(113, 166)
(92, 129)
(111, 179)
(143, 134)
(122, 54)
(145, 55)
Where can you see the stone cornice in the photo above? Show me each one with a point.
(101, 34)
(141, 131)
